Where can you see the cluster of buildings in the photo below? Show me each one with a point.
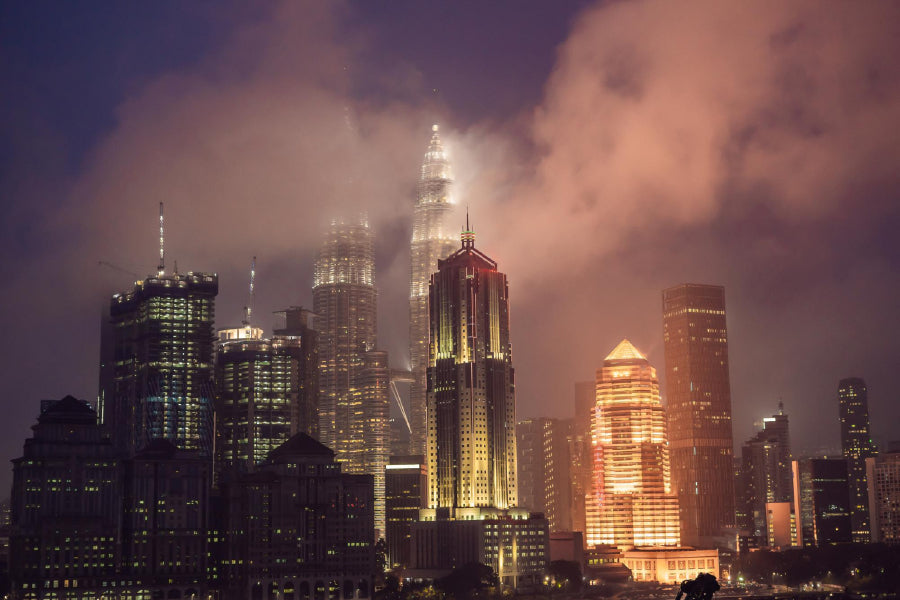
(232, 465)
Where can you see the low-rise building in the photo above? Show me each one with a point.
(513, 542)
(670, 565)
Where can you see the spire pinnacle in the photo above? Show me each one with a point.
(162, 255)
(468, 236)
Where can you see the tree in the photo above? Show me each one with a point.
(566, 574)
(461, 582)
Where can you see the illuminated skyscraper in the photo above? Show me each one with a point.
(353, 394)
(431, 240)
(633, 503)
(472, 491)
(163, 363)
(698, 407)
(471, 387)
(857, 446)
(267, 391)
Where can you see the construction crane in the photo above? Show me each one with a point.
(103, 263)
(248, 310)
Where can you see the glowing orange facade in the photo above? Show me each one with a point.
(632, 501)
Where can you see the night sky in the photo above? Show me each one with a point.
(605, 151)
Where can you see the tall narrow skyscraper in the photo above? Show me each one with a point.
(857, 446)
(633, 503)
(431, 240)
(698, 395)
(471, 386)
(353, 395)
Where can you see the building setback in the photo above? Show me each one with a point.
(471, 386)
(472, 493)
(161, 363)
(856, 446)
(352, 423)
(299, 527)
(632, 503)
(432, 240)
(698, 396)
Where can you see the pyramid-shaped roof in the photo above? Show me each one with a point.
(301, 445)
(625, 351)
(69, 410)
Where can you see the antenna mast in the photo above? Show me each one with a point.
(162, 255)
(248, 310)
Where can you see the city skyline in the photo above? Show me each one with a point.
(253, 156)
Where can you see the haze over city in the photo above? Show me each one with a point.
(605, 151)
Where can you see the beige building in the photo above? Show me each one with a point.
(673, 565)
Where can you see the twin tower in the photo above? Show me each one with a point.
(460, 369)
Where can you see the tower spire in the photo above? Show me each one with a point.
(248, 310)
(161, 269)
(468, 236)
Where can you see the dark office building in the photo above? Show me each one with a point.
(766, 467)
(698, 395)
(856, 446)
(545, 473)
(162, 363)
(66, 506)
(406, 492)
(299, 378)
(821, 501)
(165, 523)
(298, 527)
(580, 452)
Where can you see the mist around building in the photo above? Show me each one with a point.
(217, 462)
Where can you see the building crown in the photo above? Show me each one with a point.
(625, 351)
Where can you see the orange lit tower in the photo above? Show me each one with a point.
(633, 504)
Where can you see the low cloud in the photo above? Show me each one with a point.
(707, 141)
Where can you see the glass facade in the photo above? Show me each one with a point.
(856, 446)
(163, 363)
(431, 240)
(698, 407)
(354, 395)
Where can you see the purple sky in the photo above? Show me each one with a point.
(606, 151)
